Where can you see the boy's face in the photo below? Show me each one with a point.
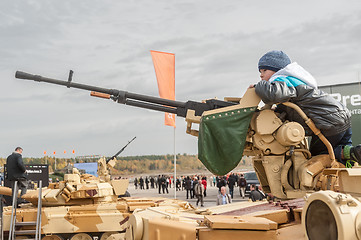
(266, 74)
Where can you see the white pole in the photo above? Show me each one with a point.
(175, 171)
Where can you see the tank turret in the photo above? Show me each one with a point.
(77, 189)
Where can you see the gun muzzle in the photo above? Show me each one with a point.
(26, 76)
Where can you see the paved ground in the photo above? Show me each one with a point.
(209, 201)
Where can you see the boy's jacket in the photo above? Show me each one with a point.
(294, 84)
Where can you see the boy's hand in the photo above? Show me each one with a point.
(252, 86)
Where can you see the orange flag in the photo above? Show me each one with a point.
(164, 65)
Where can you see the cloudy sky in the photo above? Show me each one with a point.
(217, 46)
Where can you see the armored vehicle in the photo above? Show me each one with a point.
(80, 207)
(235, 127)
(283, 163)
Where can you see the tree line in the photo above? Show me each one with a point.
(133, 164)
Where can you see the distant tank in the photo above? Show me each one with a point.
(81, 206)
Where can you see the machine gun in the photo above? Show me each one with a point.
(134, 99)
(104, 164)
(120, 151)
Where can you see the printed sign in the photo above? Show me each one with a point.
(350, 95)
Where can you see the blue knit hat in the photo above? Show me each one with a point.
(274, 60)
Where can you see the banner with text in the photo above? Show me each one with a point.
(350, 95)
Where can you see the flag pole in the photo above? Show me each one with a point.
(175, 170)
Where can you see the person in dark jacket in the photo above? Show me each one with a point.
(151, 182)
(146, 183)
(164, 184)
(136, 183)
(255, 195)
(159, 181)
(231, 182)
(183, 183)
(16, 170)
(178, 184)
(222, 182)
(188, 187)
(260, 190)
(242, 184)
(283, 81)
(141, 183)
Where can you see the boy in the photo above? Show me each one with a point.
(283, 81)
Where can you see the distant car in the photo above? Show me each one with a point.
(251, 178)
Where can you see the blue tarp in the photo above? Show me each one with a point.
(90, 168)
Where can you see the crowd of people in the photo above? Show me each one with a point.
(162, 182)
(195, 186)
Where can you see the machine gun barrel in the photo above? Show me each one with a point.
(120, 151)
(133, 99)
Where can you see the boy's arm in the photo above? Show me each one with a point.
(274, 92)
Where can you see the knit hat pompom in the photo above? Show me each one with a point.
(274, 60)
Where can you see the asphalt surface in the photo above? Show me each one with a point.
(209, 201)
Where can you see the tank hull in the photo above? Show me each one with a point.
(92, 219)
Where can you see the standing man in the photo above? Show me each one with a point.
(188, 187)
(183, 183)
(159, 181)
(151, 182)
(164, 184)
(231, 182)
(242, 183)
(192, 187)
(178, 184)
(222, 182)
(223, 198)
(147, 183)
(141, 183)
(136, 183)
(16, 170)
(156, 179)
(198, 191)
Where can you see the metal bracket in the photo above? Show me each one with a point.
(70, 78)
